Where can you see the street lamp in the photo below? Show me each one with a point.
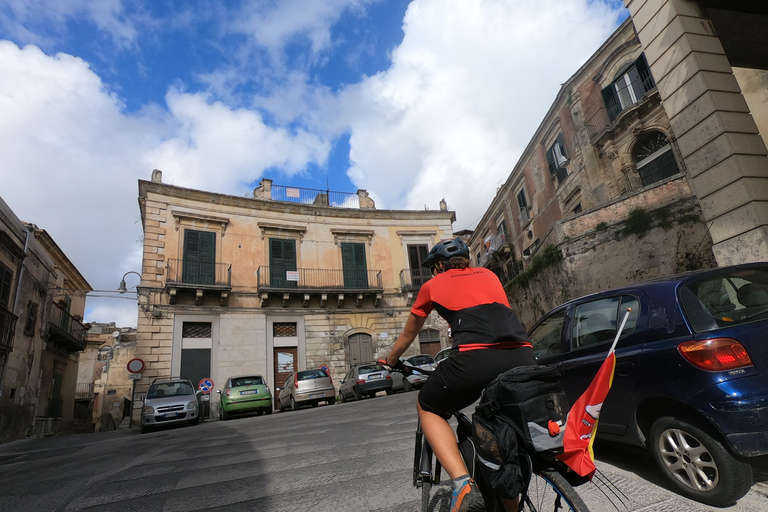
(122, 288)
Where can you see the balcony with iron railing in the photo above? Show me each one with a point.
(411, 279)
(200, 278)
(626, 98)
(313, 282)
(496, 243)
(7, 329)
(314, 197)
(84, 391)
(65, 331)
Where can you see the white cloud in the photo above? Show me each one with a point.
(467, 88)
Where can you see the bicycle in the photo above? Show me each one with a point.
(548, 488)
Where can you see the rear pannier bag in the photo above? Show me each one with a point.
(523, 410)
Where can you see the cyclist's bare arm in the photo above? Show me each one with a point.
(412, 328)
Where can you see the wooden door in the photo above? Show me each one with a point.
(285, 362)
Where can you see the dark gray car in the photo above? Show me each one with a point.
(365, 380)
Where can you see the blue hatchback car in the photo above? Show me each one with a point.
(691, 379)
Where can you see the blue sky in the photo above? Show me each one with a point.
(414, 101)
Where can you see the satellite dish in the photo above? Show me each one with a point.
(116, 334)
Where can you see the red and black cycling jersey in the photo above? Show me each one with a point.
(473, 302)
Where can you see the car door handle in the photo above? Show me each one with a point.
(625, 369)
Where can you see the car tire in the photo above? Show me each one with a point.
(342, 398)
(268, 411)
(407, 386)
(332, 401)
(390, 391)
(280, 406)
(315, 404)
(697, 463)
(224, 415)
(145, 429)
(358, 394)
(195, 421)
(294, 405)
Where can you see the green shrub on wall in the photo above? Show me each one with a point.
(548, 257)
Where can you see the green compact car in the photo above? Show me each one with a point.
(244, 394)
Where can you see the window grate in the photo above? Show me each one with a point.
(284, 329)
(196, 330)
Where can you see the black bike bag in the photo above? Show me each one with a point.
(533, 399)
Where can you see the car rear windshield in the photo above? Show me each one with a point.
(370, 369)
(166, 389)
(247, 381)
(312, 374)
(418, 360)
(731, 298)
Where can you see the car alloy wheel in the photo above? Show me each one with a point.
(358, 394)
(407, 385)
(698, 464)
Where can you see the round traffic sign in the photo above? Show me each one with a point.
(135, 365)
(205, 386)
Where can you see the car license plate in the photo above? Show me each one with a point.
(321, 395)
(248, 392)
(170, 415)
(374, 376)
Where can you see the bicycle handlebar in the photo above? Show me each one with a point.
(403, 368)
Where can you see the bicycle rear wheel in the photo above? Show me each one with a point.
(549, 491)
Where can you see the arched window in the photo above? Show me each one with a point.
(654, 158)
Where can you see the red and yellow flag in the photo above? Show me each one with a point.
(581, 425)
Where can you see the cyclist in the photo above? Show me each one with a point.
(488, 339)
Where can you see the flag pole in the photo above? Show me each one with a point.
(621, 328)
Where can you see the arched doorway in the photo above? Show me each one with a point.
(360, 348)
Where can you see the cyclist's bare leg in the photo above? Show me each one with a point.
(443, 442)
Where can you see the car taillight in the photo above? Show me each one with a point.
(388, 377)
(715, 355)
(266, 389)
(296, 380)
(229, 392)
(361, 381)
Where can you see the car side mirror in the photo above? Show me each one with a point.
(278, 388)
(218, 391)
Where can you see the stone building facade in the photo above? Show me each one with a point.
(104, 385)
(614, 151)
(42, 301)
(287, 279)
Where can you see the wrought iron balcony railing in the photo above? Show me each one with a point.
(7, 329)
(414, 278)
(188, 272)
(315, 197)
(84, 391)
(278, 278)
(65, 330)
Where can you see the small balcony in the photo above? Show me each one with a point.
(278, 286)
(84, 391)
(411, 279)
(64, 331)
(496, 243)
(198, 279)
(7, 329)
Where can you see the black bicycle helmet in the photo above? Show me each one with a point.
(445, 249)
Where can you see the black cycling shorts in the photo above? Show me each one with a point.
(460, 379)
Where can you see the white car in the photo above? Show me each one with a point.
(414, 380)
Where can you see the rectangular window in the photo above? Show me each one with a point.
(6, 280)
(522, 202)
(355, 269)
(557, 159)
(284, 330)
(199, 257)
(416, 255)
(628, 88)
(29, 326)
(282, 259)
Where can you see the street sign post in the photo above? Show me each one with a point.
(135, 367)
